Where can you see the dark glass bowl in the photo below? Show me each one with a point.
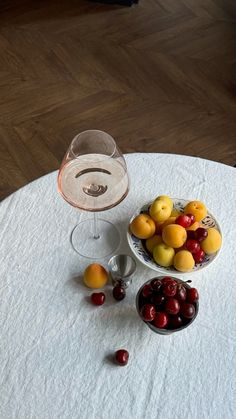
(164, 331)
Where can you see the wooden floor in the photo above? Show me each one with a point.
(159, 76)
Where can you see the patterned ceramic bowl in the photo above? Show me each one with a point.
(165, 331)
(138, 247)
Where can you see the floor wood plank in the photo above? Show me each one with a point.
(159, 76)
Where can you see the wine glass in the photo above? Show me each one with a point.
(93, 177)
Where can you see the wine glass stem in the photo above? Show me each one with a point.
(95, 226)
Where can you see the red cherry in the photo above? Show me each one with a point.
(175, 322)
(192, 218)
(98, 298)
(147, 290)
(181, 293)
(156, 284)
(118, 293)
(192, 295)
(192, 245)
(161, 320)
(122, 357)
(169, 289)
(183, 220)
(199, 256)
(201, 233)
(187, 310)
(148, 312)
(172, 306)
(167, 279)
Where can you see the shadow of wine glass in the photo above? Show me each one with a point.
(122, 227)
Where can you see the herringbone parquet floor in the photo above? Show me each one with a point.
(159, 76)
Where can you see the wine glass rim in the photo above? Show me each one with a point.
(93, 130)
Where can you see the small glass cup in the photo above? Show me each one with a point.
(122, 268)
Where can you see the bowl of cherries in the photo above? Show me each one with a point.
(167, 304)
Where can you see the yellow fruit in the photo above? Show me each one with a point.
(183, 261)
(212, 242)
(163, 255)
(152, 242)
(197, 208)
(143, 226)
(167, 199)
(160, 210)
(95, 276)
(174, 235)
(175, 213)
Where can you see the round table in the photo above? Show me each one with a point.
(55, 347)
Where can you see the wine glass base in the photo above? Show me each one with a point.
(84, 243)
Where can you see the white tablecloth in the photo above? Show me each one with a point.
(55, 346)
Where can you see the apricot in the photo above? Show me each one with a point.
(183, 261)
(167, 199)
(160, 210)
(95, 276)
(152, 242)
(212, 242)
(174, 235)
(143, 226)
(197, 208)
(163, 255)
